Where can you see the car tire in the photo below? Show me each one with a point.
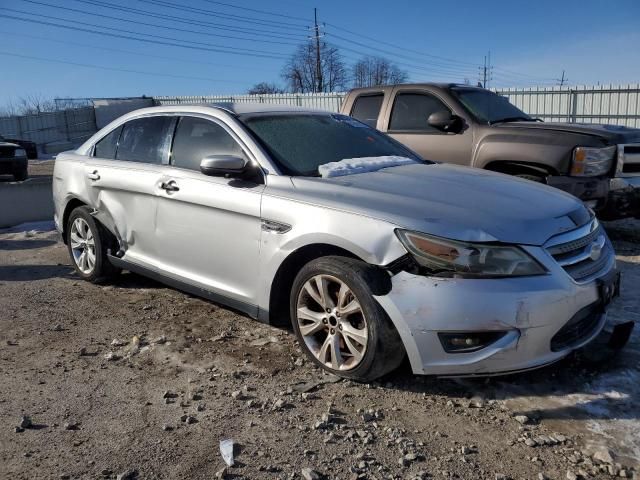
(21, 175)
(88, 242)
(350, 323)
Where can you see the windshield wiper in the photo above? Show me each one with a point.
(513, 119)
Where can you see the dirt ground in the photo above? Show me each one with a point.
(37, 169)
(135, 380)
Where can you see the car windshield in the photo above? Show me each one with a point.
(301, 142)
(489, 107)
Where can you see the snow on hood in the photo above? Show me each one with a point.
(350, 166)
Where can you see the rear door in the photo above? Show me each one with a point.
(208, 228)
(406, 121)
(122, 180)
(366, 108)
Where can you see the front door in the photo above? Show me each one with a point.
(208, 228)
(407, 123)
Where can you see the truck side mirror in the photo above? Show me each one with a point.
(445, 121)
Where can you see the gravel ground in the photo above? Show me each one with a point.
(135, 380)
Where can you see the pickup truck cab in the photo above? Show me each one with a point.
(464, 125)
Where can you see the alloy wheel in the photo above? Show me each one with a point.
(331, 322)
(83, 245)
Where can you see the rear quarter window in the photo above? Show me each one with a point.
(106, 148)
(366, 108)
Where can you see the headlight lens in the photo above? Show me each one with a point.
(19, 152)
(590, 162)
(440, 255)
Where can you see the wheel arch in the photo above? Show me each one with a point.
(285, 274)
(71, 205)
(511, 167)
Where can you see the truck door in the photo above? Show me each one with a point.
(406, 121)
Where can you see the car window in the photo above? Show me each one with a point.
(300, 143)
(366, 108)
(106, 148)
(411, 111)
(146, 140)
(197, 138)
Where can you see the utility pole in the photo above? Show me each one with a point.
(563, 80)
(320, 85)
(485, 71)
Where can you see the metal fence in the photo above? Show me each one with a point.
(619, 105)
(74, 125)
(322, 101)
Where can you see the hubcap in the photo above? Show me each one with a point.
(83, 245)
(332, 322)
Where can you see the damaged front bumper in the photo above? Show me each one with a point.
(530, 311)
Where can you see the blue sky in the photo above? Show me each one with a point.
(530, 42)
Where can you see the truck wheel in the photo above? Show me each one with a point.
(88, 242)
(339, 324)
(21, 175)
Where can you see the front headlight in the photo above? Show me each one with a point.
(440, 255)
(19, 152)
(591, 162)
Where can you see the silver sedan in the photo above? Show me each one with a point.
(372, 253)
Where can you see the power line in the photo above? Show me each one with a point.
(228, 16)
(264, 12)
(211, 46)
(174, 18)
(128, 37)
(405, 49)
(84, 12)
(130, 52)
(102, 67)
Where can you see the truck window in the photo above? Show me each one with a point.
(366, 108)
(411, 111)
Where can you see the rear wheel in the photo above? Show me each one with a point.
(88, 242)
(338, 322)
(21, 175)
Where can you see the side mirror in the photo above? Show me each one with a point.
(446, 121)
(219, 165)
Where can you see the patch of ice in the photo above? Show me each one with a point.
(351, 166)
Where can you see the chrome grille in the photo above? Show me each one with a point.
(577, 251)
(628, 160)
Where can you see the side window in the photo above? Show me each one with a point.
(146, 140)
(106, 148)
(366, 108)
(197, 138)
(411, 111)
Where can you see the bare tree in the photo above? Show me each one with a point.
(35, 103)
(371, 71)
(263, 88)
(300, 72)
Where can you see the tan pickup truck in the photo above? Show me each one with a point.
(472, 126)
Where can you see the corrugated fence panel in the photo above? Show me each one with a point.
(321, 101)
(612, 104)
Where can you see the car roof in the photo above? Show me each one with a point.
(234, 108)
(416, 85)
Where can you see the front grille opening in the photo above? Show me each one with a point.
(581, 326)
(575, 256)
(631, 168)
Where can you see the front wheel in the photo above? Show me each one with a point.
(339, 324)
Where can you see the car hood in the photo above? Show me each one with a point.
(454, 202)
(611, 133)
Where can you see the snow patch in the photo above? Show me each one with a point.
(351, 166)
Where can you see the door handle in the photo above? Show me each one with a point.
(169, 186)
(93, 175)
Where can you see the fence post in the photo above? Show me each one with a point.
(573, 105)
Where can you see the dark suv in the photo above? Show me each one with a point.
(472, 126)
(13, 160)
